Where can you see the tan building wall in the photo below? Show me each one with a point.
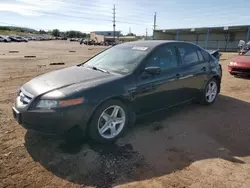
(128, 39)
(97, 38)
(215, 40)
(163, 36)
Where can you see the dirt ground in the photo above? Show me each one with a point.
(189, 146)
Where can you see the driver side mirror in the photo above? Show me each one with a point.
(154, 70)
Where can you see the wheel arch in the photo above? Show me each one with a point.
(125, 101)
(218, 79)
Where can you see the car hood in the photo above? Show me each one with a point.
(66, 77)
(242, 60)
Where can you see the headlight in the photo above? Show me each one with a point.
(47, 104)
(233, 63)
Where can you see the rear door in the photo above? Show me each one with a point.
(158, 91)
(193, 70)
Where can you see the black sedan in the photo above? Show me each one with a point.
(104, 95)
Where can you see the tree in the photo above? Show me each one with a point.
(130, 34)
(72, 34)
(56, 32)
(75, 34)
(42, 32)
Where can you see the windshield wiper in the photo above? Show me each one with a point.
(99, 69)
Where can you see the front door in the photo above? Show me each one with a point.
(154, 92)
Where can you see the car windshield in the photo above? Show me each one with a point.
(248, 53)
(118, 59)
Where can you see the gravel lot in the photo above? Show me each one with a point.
(189, 146)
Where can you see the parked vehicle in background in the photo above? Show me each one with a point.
(74, 40)
(22, 39)
(240, 65)
(4, 39)
(39, 38)
(105, 94)
(243, 47)
(14, 39)
(81, 41)
(243, 50)
(28, 38)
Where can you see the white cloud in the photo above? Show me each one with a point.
(50, 4)
(31, 7)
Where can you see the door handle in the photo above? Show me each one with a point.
(203, 68)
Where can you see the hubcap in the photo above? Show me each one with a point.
(211, 91)
(111, 122)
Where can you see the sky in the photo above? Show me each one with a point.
(136, 16)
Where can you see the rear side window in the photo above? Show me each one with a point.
(206, 55)
(188, 54)
(201, 58)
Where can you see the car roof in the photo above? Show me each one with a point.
(149, 44)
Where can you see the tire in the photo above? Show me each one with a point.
(205, 99)
(98, 122)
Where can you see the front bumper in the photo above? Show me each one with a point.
(238, 70)
(51, 121)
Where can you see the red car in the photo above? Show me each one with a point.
(240, 65)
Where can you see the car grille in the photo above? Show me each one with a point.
(241, 70)
(25, 97)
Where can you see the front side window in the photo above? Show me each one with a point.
(188, 54)
(118, 59)
(163, 57)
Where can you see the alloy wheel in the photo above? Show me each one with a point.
(111, 122)
(211, 91)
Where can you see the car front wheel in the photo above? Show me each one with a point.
(210, 92)
(109, 121)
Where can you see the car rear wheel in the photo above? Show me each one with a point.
(109, 121)
(210, 92)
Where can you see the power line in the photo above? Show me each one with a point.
(121, 18)
(107, 7)
(103, 15)
(91, 6)
(88, 10)
(83, 17)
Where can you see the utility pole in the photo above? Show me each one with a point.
(146, 34)
(129, 30)
(114, 23)
(154, 26)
